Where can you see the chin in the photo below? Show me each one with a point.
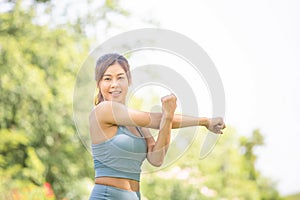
(118, 100)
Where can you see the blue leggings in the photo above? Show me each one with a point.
(104, 192)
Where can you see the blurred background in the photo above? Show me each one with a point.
(254, 45)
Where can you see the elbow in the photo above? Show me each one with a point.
(156, 157)
(157, 163)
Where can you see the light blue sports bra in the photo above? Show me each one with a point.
(121, 156)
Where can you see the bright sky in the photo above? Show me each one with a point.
(256, 46)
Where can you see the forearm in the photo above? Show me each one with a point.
(179, 121)
(160, 148)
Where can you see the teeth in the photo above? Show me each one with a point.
(115, 92)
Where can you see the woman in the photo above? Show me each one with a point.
(120, 136)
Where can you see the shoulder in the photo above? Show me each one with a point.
(109, 105)
(105, 107)
(110, 112)
(99, 111)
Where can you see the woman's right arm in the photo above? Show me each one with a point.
(109, 112)
(180, 121)
(114, 113)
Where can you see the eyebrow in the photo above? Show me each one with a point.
(111, 75)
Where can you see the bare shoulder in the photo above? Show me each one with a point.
(102, 113)
(109, 108)
(96, 109)
(102, 107)
(99, 130)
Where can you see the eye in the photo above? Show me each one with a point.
(106, 78)
(121, 77)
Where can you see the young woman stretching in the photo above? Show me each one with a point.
(120, 137)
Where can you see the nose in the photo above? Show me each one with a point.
(114, 83)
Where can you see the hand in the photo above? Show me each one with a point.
(216, 125)
(169, 105)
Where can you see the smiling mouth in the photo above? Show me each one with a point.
(115, 93)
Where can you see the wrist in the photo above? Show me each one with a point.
(203, 121)
(168, 116)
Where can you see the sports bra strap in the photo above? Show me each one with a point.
(140, 131)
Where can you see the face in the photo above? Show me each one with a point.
(114, 84)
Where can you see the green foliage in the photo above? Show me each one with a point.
(38, 66)
(38, 143)
(21, 170)
(292, 197)
(224, 174)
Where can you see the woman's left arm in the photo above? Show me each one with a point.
(167, 120)
(158, 149)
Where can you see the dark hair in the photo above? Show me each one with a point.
(103, 63)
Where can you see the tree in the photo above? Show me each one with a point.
(38, 64)
(38, 143)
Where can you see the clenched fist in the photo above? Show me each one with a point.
(216, 125)
(169, 105)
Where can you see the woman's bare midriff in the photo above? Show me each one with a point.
(122, 183)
